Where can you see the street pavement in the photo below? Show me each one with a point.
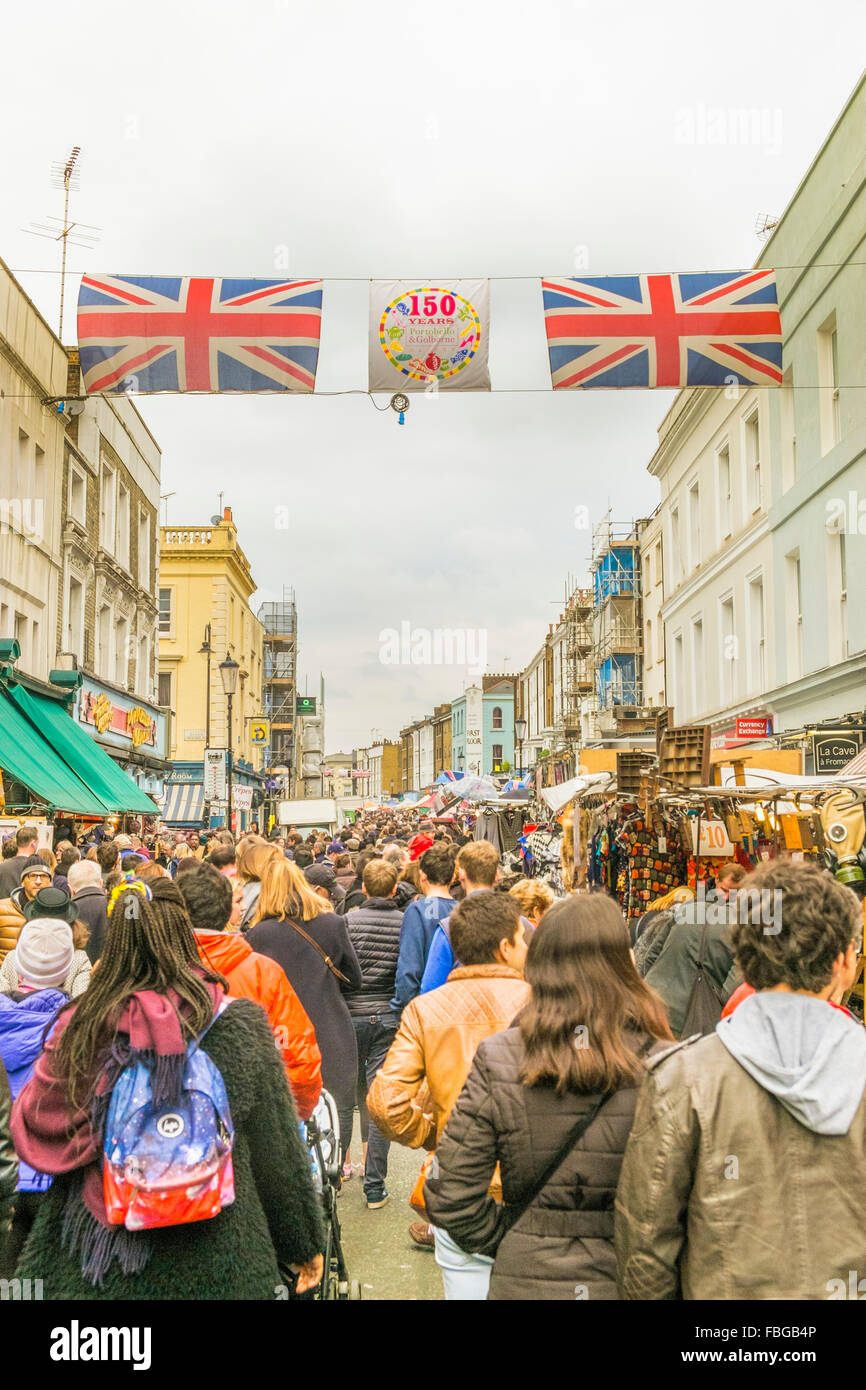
(376, 1244)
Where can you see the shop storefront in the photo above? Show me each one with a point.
(132, 732)
(50, 767)
(184, 805)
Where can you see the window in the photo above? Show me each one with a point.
(729, 649)
(121, 651)
(659, 572)
(122, 548)
(676, 555)
(165, 614)
(698, 665)
(789, 430)
(73, 637)
(497, 717)
(164, 695)
(757, 646)
(38, 473)
(497, 755)
(144, 550)
(828, 383)
(752, 449)
(695, 524)
(837, 596)
(21, 639)
(142, 675)
(649, 642)
(678, 674)
(794, 614)
(107, 508)
(105, 655)
(24, 481)
(725, 506)
(77, 495)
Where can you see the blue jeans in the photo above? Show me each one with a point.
(375, 1035)
(464, 1276)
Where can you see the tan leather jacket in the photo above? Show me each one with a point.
(436, 1042)
(11, 922)
(724, 1194)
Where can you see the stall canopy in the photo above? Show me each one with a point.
(184, 803)
(46, 750)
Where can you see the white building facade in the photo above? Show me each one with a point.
(32, 370)
(756, 513)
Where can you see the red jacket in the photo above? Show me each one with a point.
(256, 977)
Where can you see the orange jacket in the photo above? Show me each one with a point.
(256, 977)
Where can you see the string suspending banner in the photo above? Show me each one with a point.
(429, 336)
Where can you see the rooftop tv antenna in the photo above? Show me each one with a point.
(765, 223)
(68, 177)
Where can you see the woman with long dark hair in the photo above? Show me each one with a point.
(552, 1102)
(150, 997)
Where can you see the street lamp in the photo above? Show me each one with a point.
(206, 649)
(520, 732)
(461, 761)
(229, 671)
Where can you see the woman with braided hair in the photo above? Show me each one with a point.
(150, 996)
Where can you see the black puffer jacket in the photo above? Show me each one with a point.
(374, 931)
(562, 1247)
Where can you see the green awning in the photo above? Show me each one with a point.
(88, 765)
(27, 757)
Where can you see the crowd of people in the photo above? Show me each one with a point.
(673, 1107)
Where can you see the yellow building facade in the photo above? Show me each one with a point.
(205, 584)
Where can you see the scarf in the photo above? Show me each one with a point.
(53, 1139)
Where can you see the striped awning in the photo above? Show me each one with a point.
(856, 767)
(184, 803)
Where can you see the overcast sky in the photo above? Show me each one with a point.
(414, 140)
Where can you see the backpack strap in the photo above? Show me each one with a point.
(218, 1011)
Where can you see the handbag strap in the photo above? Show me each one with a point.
(316, 947)
(702, 948)
(514, 1213)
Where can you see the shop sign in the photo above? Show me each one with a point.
(215, 776)
(833, 751)
(753, 728)
(259, 730)
(474, 737)
(242, 798)
(121, 723)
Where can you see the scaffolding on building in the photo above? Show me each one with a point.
(577, 676)
(279, 677)
(617, 625)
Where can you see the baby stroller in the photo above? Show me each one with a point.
(322, 1134)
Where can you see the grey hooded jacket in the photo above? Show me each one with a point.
(746, 1167)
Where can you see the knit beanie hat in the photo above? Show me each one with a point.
(43, 953)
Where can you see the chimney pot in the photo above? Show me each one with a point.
(227, 513)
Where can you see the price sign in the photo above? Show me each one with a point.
(715, 840)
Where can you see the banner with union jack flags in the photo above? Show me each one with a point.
(709, 329)
(148, 333)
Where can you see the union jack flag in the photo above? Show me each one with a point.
(664, 330)
(153, 333)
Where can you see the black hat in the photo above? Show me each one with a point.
(321, 876)
(33, 861)
(51, 902)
